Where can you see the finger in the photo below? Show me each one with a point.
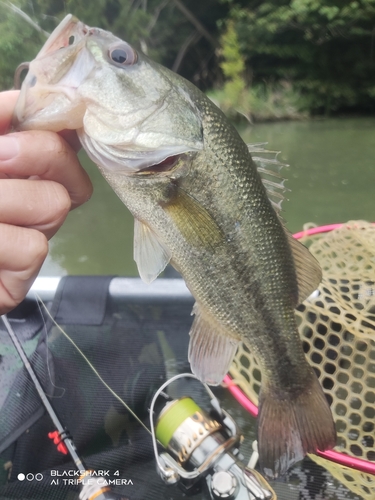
(7, 103)
(22, 254)
(47, 156)
(41, 205)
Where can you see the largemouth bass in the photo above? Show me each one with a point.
(198, 202)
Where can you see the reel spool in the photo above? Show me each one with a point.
(337, 328)
(202, 450)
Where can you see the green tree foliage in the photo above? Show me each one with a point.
(289, 55)
(238, 96)
(233, 67)
(325, 48)
(19, 42)
(178, 33)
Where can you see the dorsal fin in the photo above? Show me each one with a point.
(309, 273)
(269, 169)
(308, 270)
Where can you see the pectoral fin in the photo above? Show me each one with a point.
(309, 273)
(150, 254)
(210, 351)
(193, 221)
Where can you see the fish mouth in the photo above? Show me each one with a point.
(163, 166)
(48, 97)
(127, 161)
(63, 89)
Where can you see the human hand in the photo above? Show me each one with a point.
(41, 179)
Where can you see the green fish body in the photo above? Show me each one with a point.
(199, 203)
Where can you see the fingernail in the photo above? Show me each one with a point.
(9, 147)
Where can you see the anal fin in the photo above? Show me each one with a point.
(210, 351)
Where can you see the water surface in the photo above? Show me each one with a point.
(331, 177)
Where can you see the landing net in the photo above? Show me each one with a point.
(337, 328)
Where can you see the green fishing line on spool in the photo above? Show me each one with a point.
(172, 417)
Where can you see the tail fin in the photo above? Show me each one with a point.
(290, 426)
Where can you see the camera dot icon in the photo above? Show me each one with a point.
(21, 477)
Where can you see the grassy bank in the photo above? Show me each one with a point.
(261, 103)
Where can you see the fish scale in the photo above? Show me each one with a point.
(198, 202)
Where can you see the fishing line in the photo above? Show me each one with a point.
(16, 10)
(62, 389)
(91, 365)
(27, 365)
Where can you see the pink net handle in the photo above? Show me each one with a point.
(334, 456)
(317, 230)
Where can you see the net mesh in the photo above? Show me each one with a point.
(337, 328)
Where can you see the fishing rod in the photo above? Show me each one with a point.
(201, 449)
(91, 489)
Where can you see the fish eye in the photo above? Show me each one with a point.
(71, 40)
(122, 55)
